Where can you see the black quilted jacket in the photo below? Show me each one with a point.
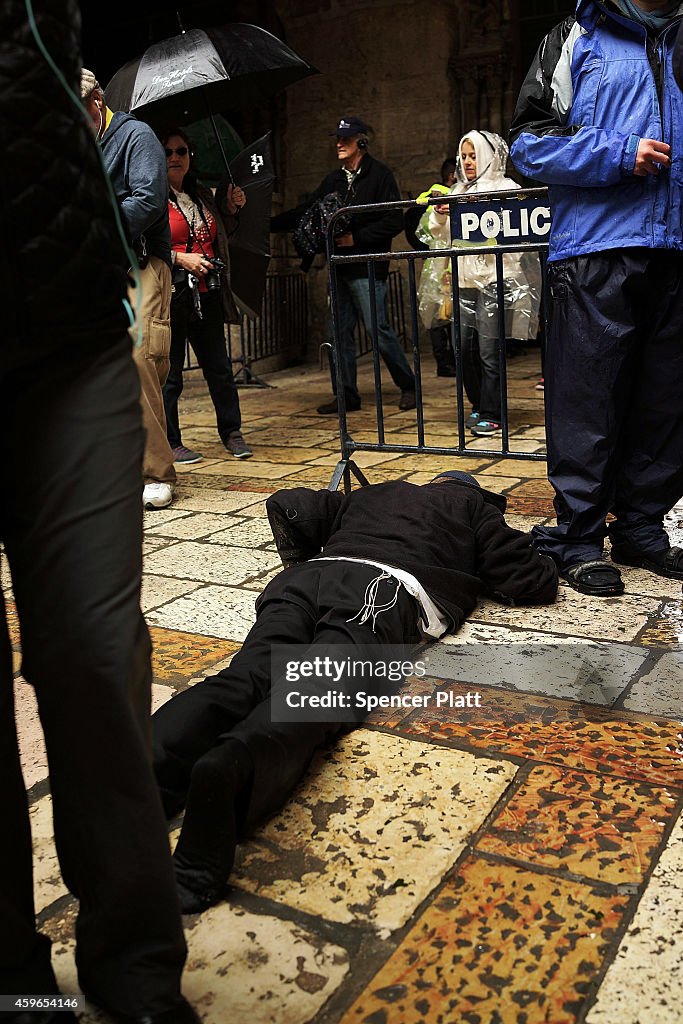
(62, 268)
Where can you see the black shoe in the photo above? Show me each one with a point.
(669, 563)
(446, 371)
(407, 401)
(332, 408)
(596, 578)
(205, 853)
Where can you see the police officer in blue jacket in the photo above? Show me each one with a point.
(599, 120)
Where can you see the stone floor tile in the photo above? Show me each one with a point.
(372, 829)
(209, 563)
(558, 732)
(596, 673)
(241, 967)
(640, 581)
(522, 522)
(585, 824)
(12, 621)
(256, 511)
(499, 945)
(263, 452)
(153, 518)
(524, 504)
(434, 464)
(535, 432)
(194, 526)
(200, 500)
(5, 575)
(32, 751)
(249, 967)
(644, 984)
(152, 542)
(158, 590)
(183, 470)
(255, 470)
(660, 692)
(214, 611)
(361, 458)
(604, 618)
(666, 628)
(481, 633)
(177, 656)
(253, 533)
(310, 438)
(47, 880)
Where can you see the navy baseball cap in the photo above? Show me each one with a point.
(350, 126)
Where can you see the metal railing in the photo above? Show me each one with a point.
(522, 197)
(282, 325)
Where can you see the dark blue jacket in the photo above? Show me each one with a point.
(135, 160)
(597, 86)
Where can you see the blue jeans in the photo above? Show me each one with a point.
(354, 301)
(480, 352)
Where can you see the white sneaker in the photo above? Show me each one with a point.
(157, 496)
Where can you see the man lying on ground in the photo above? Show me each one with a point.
(389, 563)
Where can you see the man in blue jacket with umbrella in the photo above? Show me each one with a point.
(597, 120)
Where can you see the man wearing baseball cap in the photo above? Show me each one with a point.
(360, 179)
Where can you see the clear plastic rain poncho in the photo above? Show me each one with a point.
(477, 274)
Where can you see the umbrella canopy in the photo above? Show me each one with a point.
(253, 171)
(205, 71)
(210, 153)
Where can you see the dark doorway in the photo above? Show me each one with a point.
(536, 18)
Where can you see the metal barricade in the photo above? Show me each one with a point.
(283, 324)
(492, 223)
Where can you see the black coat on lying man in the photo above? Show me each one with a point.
(389, 563)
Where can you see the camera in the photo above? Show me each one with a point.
(212, 278)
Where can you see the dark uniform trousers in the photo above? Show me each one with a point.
(614, 400)
(70, 521)
(309, 603)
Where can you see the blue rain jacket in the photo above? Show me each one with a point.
(597, 86)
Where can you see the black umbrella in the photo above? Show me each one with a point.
(252, 170)
(205, 71)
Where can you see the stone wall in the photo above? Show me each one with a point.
(420, 72)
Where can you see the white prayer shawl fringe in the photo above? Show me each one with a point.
(371, 608)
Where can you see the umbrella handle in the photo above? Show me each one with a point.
(220, 146)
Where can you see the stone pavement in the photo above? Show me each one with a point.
(516, 863)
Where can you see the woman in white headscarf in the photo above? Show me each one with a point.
(482, 159)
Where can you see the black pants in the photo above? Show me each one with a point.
(207, 338)
(70, 520)
(614, 411)
(306, 604)
(444, 356)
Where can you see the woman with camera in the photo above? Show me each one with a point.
(202, 301)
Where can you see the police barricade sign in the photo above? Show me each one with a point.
(507, 221)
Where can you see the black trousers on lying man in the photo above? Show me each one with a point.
(387, 564)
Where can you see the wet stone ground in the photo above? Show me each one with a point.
(516, 863)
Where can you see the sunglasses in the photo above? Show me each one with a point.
(180, 151)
